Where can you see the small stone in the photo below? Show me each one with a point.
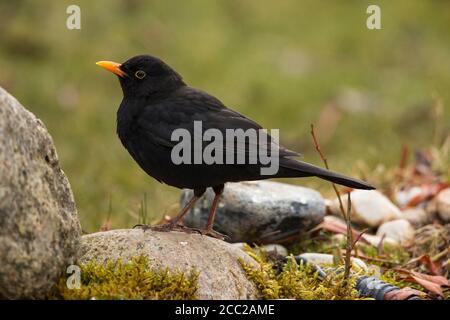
(338, 238)
(220, 273)
(259, 211)
(417, 216)
(374, 271)
(375, 240)
(443, 205)
(328, 259)
(400, 230)
(369, 208)
(403, 197)
(275, 248)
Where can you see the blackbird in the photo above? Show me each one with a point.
(156, 102)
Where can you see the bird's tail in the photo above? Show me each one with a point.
(294, 168)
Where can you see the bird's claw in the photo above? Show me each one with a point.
(142, 226)
(214, 234)
(167, 227)
(172, 226)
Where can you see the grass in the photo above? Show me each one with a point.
(286, 65)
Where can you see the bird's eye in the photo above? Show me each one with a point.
(140, 74)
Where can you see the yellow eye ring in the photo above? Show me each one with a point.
(140, 74)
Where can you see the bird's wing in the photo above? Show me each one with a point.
(187, 105)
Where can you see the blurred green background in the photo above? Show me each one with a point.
(285, 64)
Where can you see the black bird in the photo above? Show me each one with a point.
(156, 101)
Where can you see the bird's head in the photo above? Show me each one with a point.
(144, 75)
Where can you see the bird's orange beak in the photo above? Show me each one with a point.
(114, 67)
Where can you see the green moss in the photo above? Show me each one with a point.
(322, 243)
(392, 277)
(297, 282)
(393, 253)
(128, 280)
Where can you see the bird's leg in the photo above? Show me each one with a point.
(174, 224)
(187, 207)
(209, 231)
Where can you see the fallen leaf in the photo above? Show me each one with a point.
(430, 286)
(428, 191)
(433, 284)
(434, 268)
(404, 294)
(442, 281)
(338, 227)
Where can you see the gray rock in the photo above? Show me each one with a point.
(272, 248)
(39, 226)
(369, 208)
(417, 216)
(399, 230)
(443, 205)
(221, 275)
(259, 211)
(275, 248)
(375, 240)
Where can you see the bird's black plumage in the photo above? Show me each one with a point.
(157, 103)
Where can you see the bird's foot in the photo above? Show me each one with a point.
(167, 227)
(214, 234)
(142, 226)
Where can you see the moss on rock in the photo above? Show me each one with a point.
(134, 280)
(298, 281)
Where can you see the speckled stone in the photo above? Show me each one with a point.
(221, 275)
(259, 211)
(39, 226)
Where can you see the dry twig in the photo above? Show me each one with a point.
(345, 214)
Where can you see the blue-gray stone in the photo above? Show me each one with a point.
(259, 211)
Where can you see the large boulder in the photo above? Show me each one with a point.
(260, 211)
(39, 226)
(221, 274)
